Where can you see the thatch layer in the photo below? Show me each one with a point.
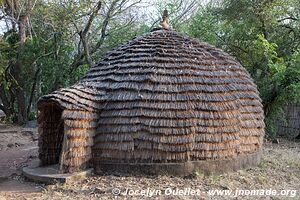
(66, 137)
(76, 97)
(162, 97)
(79, 134)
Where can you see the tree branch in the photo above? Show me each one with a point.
(188, 10)
(91, 18)
(104, 26)
(79, 60)
(130, 22)
(231, 45)
(2, 108)
(33, 87)
(288, 18)
(33, 90)
(120, 10)
(83, 33)
(6, 103)
(288, 27)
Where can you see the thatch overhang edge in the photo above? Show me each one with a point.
(76, 97)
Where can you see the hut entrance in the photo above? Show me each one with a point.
(52, 134)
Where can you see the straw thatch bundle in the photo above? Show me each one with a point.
(161, 98)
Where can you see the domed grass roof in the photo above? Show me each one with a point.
(164, 97)
(172, 93)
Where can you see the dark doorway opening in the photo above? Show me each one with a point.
(51, 129)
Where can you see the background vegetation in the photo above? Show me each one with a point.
(49, 44)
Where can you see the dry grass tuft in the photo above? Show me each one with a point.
(279, 169)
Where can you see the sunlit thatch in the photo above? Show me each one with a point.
(161, 98)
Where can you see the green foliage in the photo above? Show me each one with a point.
(180, 12)
(209, 26)
(53, 45)
(8, 46)
(264, 37)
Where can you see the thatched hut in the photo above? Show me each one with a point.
(162, 102)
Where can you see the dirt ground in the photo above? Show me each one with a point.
(279, 170)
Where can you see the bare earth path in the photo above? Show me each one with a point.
(279, 170)
(18, 147)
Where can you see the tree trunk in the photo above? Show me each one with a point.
(19, 12)
(33, 89)
(7, 106)
(20, 94)
(17, 73)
